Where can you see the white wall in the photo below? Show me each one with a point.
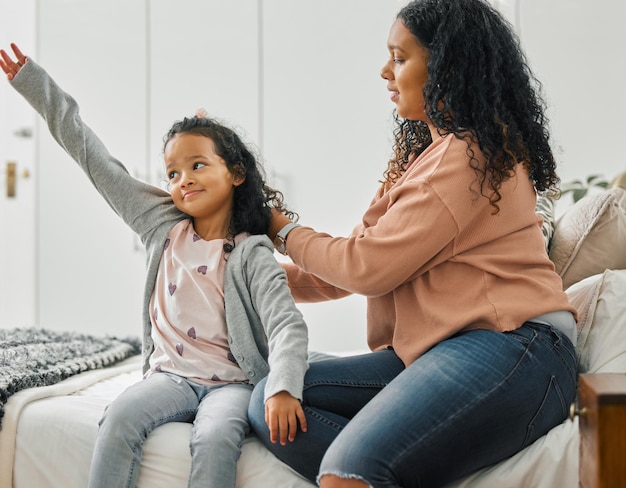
(303, 83)
(301, 79)
(575, 48)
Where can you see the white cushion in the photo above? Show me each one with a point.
(601, 304)
(590, 237)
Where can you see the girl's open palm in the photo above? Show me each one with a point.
(8, 65)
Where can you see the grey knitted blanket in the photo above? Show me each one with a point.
(31, 357)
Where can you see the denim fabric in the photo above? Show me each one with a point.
(220, 424)
(471, 401)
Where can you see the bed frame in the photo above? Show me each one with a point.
(602, 412)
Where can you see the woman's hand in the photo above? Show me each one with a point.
(279, 220)
(282, 414)
(9, 66)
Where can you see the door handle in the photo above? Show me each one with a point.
(11, 179)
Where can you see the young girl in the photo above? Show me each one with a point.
(217, 309)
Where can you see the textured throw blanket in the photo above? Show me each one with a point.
(33, 357)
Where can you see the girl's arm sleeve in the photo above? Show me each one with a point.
(138, 203)
(284, 324)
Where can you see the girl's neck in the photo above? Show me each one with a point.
(209, 230)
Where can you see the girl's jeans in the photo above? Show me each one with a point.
(471, 401)
(220, 424)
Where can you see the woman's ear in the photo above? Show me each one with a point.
(239, 174)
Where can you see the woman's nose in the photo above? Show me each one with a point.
(384, 71)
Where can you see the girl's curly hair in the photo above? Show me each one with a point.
(481, 89)
(253, 199)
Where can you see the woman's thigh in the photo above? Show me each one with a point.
(343, 385)
(469, 402)
(334, 391)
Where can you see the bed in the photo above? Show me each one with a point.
(48, 431)
(48, 435)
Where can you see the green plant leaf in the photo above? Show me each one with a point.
(579, 189)
(578, 194)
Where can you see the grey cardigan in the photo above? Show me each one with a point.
(266, 332)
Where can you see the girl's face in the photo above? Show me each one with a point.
(406, 72)
(201, 184)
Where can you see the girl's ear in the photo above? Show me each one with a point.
(239, 174)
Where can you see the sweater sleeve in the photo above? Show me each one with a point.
(140, 205)
(412, 229)
(308, 288)
(283, 322)
(262, 318)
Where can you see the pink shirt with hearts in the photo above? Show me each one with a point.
(187, 310)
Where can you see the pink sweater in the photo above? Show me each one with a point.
(432, 258)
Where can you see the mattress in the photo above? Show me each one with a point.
(48, 436)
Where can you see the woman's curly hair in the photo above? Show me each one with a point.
(481, 89)
(253, 199)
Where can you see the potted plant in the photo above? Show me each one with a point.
(579, 188)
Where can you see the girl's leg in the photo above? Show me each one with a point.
(129, 419)
(220, 428)
(471, 401)
(334, 391)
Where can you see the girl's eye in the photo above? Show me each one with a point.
(171, 175)
(198, 165)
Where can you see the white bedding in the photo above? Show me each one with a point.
(48, 434)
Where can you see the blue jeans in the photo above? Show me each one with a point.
(220, 424)
(471, 401)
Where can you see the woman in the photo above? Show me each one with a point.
(471, 333)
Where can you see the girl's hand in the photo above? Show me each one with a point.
(9, 66)
(282, 414)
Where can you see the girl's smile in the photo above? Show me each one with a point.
(201, 184)
(190, 194)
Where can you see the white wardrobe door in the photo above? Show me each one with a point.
(17, 204)
(327, 126)
(90, 267)
(203, 54)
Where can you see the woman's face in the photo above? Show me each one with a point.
(406, 72)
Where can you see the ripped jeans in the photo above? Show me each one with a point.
(471, 401)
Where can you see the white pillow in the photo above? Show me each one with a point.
(590, 237)
(601, 304)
